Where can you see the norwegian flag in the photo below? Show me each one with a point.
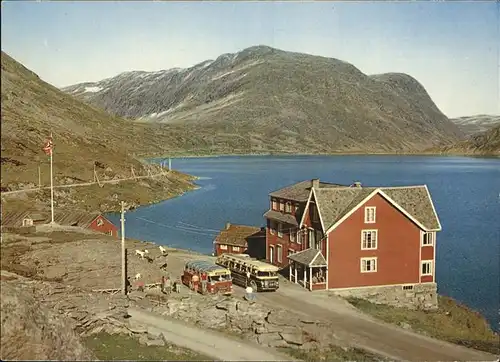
(49, 146)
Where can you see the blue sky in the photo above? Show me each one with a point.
(452, 48)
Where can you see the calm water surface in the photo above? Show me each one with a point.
(465, 191)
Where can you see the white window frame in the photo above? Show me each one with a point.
(293, 235)
(432, 236)
(368, 210)
(27, 222)
(100, 222)
(236, 248)
(362, 263)
(110, 232)
(280, 230)
(274, 204)
(369, 232)
(288, 207)
(272, 223)
(426, 262)
(223, 246)
(279, 253)
(271, 253)
(299, 236)
(282, 206)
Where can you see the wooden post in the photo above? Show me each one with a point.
(124, 273)
(296, 278)
(290, 271)
(310, 278)
(305, 276)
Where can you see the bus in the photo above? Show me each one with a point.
(263, 276)
(218, 279)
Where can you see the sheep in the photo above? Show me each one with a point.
(163, 251)
(138, 276)
(141, 253)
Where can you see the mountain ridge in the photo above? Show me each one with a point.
(476, 124)
(279, 100)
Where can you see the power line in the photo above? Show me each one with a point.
(174, 227)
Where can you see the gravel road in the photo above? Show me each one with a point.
(209, 343)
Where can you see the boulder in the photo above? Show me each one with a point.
(293, 338)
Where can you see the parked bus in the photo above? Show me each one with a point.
(218, 279)
(247, 271)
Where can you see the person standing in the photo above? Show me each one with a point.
(204, 281)
(195, 280)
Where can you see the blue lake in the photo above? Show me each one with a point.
(465, 191)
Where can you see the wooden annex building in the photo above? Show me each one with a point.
(241, 239)
(31, 218)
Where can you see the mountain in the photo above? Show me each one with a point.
(83, 136)
(484, 143)
(263, 98)
(476, 124)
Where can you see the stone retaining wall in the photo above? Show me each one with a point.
(422, 296)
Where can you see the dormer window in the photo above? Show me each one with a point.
(288, 207)
(282, 206)
(274, 204)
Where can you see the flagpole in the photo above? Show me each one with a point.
(51, 185)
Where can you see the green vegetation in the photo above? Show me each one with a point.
(452, 322)
(116, 347)
(333, 353)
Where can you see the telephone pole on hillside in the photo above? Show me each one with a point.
(124, 256)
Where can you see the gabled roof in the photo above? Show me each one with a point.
(237, 235)
(299, 191)
(14, 218)
(415, 201)
(309, 257)
(76, 218)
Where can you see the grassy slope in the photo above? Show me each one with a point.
(486, 143)
(452, 322)
(31, 109)
(267, 100)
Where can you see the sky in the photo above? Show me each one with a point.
(452, 48)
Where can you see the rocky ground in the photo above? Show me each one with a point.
(65, 271)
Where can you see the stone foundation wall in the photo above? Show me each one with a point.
(422, 296)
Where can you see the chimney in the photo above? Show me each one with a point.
(228, 225)
(315, 183)
(357, 184)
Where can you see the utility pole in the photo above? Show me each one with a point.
(169, 164)
(124, 270)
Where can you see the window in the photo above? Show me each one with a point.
(223, 247)
(407, 287)
(293, 236)
(427, 267)
(370, 214)
(279, 253)
(427, 239)
(299, 236)
(27, 222)
(368, 265)
(274, 204)
(290, 252)
(236, 248)
(100, 222)
(368, 239)
(280, 230)
(272, 226)
(296, 207)
(110, 233)
(282, 206)
(288, 207)
(271, 254)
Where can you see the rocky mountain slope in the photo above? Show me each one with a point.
(475, 124)
(263, 98)
(484, 143)
(83, 136)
